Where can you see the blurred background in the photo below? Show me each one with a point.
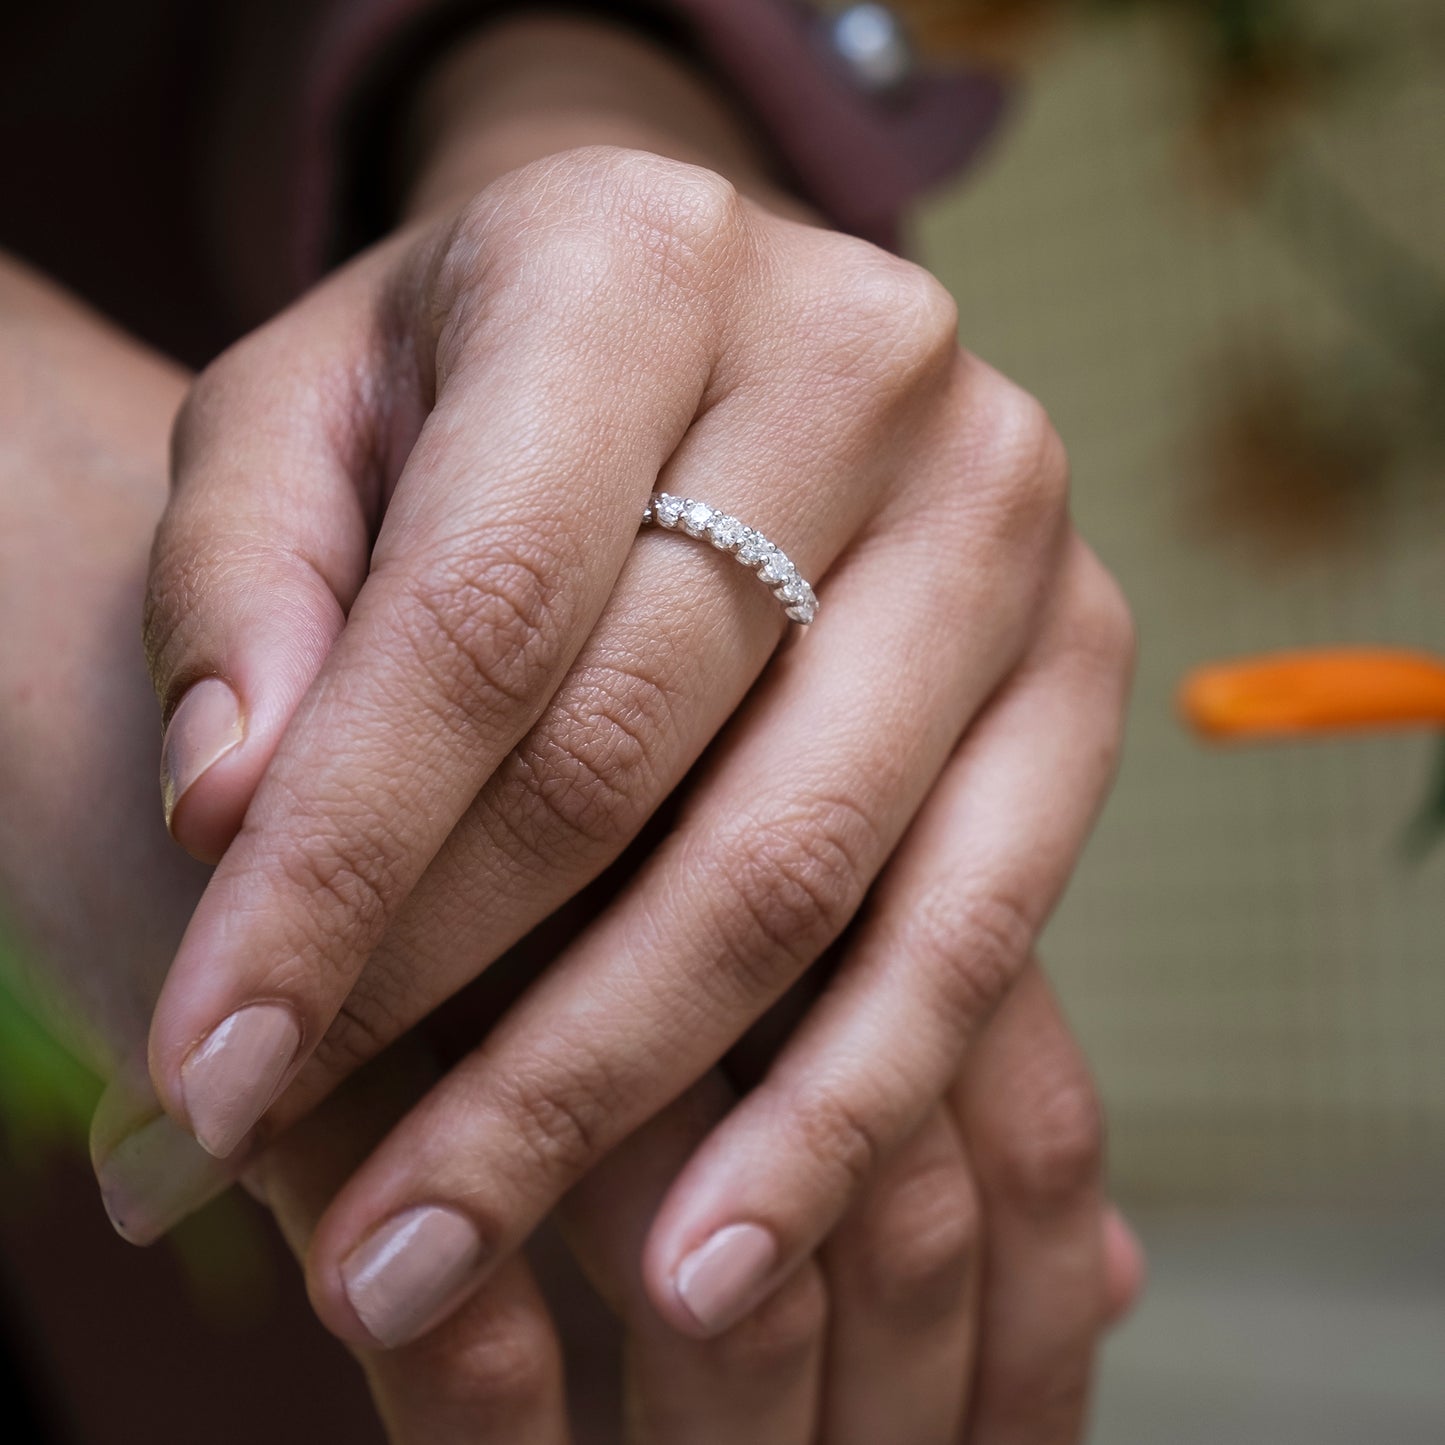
(1213, 243)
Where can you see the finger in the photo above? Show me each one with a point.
(950, 926)
(780, 843)
(681, 640)
(903, 1270)
(760, 1382)
(1032, 1127)
(261, 550)
(494, 1371)
(512, 517)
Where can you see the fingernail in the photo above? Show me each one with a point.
(203, 729)
(407, 1275)
(718, 1283)
(154, 1178)
(229, 1080)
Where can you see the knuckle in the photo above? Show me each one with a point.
(1103, 625)
(904, 318)
(918, 1245)
(591, 773)
(974, 943)
(1047, 1166)
(346, 888)
(1017, 447)
(486, 624)
(792, 885)
(837, 1135)
(565, 1114)
(925, 315)
(204, 404)
(686, 204)
(784, 1335)
(489, 1371)
(609, 213)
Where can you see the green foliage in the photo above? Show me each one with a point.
(46, 1095)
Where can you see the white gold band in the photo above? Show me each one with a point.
(752, 549)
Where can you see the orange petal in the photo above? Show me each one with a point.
(1288, 694)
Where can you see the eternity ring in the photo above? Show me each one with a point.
(752, 549)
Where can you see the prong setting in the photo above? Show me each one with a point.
(728, 534)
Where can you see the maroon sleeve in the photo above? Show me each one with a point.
(859, 152)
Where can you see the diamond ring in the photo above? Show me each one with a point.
(752, 549)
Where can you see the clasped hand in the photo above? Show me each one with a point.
(424, 683)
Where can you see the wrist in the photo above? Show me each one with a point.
(530, 87)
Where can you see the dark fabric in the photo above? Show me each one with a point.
(189, 167)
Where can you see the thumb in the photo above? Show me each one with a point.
(257, 558)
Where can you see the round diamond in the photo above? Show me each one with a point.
(695, 518)
(667, 509)
(754, 549)
(726, 532)
(777, 568)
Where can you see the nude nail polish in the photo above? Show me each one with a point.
(720, 1281)
(229, 1080)
(203, 729)
(407, 1275)
(153, 1178)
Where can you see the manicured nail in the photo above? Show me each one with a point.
(407, 1275)
(154, 1178)
(229, 1080)
(203, 729)
(719, 1282)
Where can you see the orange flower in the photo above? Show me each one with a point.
(1290, 694)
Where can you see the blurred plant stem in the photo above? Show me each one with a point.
(46, 1094)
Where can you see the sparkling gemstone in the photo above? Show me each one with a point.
(726, 532)
(695, 518)
(667, 509)
(754, 549)
(792, 592)
(777, 568)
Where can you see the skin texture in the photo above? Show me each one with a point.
(451, 731)
(882, 1327)
(873, 1300)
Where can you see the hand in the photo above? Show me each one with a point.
(521, 680)
(940, 1300)
(884, 1324)
(97, 893)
